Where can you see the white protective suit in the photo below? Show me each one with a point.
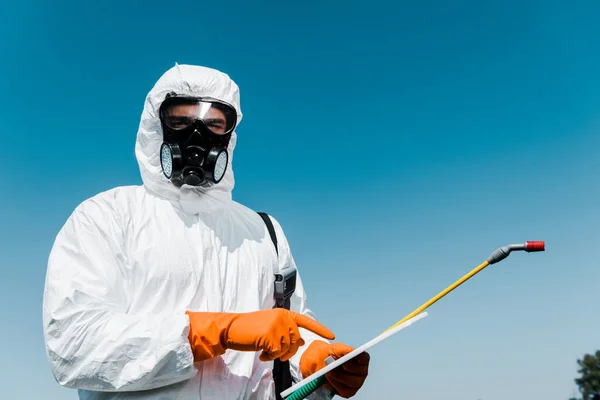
(130, 261)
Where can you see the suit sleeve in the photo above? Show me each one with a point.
(92, 341)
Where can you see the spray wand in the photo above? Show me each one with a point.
(499, 254)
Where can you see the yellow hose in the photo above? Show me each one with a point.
(440, 295)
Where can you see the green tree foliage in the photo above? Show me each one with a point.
(589, 379)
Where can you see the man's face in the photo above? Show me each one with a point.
(182, 115)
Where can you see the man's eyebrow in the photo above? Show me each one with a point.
(178, 116)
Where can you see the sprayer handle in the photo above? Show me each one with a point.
(307, 389)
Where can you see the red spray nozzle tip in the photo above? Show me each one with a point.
(535, 246)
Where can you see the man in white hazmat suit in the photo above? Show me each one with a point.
(167, 290)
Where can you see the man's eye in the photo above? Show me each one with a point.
(219, 125)
(215, 124)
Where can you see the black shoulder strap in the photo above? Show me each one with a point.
(281, 369)
(270, 228)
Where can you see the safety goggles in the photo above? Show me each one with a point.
(180, 112)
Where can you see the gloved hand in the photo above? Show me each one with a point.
(274, 331)
(346, 379)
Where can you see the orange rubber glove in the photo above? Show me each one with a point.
(274, 331)
(346, 379)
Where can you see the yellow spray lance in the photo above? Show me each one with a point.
(305, 389)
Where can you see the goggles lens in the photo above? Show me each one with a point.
(179, 113)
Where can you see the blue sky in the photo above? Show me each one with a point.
(398, 143)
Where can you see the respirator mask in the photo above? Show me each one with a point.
(196, 132)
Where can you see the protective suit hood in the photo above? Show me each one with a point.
(187, 80)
